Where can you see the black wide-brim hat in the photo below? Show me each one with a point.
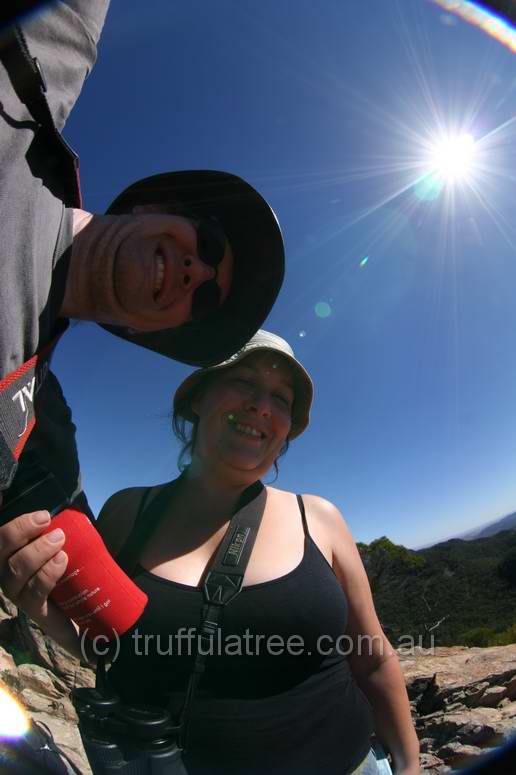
(253, 232)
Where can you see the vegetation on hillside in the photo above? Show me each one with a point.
(454, 593)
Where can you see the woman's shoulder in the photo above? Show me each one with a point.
(117, 516)
(325, 517)
(319, 508)
(325, 522)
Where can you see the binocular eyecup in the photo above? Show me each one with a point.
(126, 739)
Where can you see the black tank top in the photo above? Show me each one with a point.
(278, 696)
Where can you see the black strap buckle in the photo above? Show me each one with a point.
(221, 588)
(206, 634)
(39, 71)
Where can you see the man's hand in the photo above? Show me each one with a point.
(31, 564)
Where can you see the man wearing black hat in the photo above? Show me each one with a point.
(187, 264)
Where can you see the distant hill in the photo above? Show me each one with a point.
(484, 531)
(463, 592)
(505, 523)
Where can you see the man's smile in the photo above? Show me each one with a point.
(166, 290)
(159, 273)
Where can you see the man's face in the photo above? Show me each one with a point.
(144, 270)
(157, 270)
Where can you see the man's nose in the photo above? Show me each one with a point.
(195, 272)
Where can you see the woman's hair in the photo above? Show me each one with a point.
(186, 432)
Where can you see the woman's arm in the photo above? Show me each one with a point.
(374, 662)
(385, 690)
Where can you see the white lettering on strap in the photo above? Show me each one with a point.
(27, 391)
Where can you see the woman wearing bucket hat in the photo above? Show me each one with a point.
(264, 703)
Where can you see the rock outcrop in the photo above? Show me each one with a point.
(40, 674)
(463, 699)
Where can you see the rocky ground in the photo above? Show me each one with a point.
(41, 674)
(463, 699)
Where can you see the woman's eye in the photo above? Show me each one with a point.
(284, 400)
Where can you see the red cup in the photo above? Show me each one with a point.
(94, 592)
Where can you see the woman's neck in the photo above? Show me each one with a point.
(209, 491)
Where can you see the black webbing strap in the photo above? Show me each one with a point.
(29, 84)
(222, 583)
(223, 578)
(17, 415)
(149, 513)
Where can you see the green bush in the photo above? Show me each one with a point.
(505, 638)
(478, 636)
(507, 567)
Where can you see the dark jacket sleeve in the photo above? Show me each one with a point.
(64, 38)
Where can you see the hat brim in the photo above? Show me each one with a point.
(303, 387)
(253, 232)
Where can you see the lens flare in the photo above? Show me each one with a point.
(428, 187)
(322, 309)
(13, 719)
(453, 157)
(495, 26)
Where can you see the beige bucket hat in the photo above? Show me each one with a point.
(262, 340)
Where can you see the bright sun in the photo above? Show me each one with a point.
(453, 157)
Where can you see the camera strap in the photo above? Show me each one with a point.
(222, 583)
(17, 414)
(222, 580)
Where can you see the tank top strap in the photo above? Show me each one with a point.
(150, 511)
(303, 515)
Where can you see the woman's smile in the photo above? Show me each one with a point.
(249, 430)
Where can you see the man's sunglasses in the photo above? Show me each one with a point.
(211, 246)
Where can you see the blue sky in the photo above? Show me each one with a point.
(328, 109)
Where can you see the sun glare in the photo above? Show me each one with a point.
(13, 720)
(453, 157)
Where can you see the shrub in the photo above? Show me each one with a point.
(505, 638)
(507, 567)
(478, 636)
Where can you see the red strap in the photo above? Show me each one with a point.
(17, 418)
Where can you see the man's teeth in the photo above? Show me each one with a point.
(248, 430)
(159, 273)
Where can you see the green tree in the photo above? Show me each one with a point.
(477, 636)
(507, 566)
(382, 556)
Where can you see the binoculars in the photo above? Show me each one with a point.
(126, 739)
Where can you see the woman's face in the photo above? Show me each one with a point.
(245, 414)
